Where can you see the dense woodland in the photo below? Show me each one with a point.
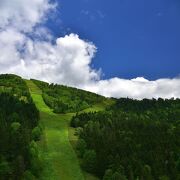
(131, 140)
(18, 130)
(63, 99)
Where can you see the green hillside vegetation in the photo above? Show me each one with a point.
(52, 132)
(14, 85)
(59, 158)
(63, 99)
(131, 140)
(56, 145)
(18, 130)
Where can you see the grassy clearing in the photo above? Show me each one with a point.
(59, 158)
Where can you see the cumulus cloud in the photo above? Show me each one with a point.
(67, 61)
(138, 88)
(28, 49)
(23, 14)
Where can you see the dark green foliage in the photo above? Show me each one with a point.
(63, 99)
(81, 147)
(36, 133)
(133, 139)
(114, 175)
(14, 85)
(108, 174)
(28, 176)
(18, 116)
(4, 168)
(89, 161)
(35, 160)
(146, 173)
(118, 176)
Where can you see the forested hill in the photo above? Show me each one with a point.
(124, 139)
(18, 130)
(131, 140)
(63, 99)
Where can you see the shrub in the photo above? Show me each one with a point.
(36, 133)
(81, 147)
(89, 161)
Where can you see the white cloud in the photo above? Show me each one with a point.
(23, 14)
(138, 88)
(67, 61)
(10, 41)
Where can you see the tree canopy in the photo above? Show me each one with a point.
(132, 139)
(18, 117)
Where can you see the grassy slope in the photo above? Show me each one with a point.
(59, 158)
(57, 153)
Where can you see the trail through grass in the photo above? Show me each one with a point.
(59, 158)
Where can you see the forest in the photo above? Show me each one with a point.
(18, 130)
(131, 140)
(63, 99)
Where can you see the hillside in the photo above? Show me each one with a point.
(53, 132)
(48, 140)
(130, 140)
(63, 99)
(59, 159)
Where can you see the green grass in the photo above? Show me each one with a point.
(59, 158)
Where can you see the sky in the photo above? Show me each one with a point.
(134, 38)
(123, 48)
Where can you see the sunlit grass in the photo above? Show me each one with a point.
(59, 158)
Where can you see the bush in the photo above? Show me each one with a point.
(78, 131)
(89, 161)
(81, 147)
(118, 176)
(15, 126)
(36, 161)
(4, 168)
(110, 175)
(75, 122)
(28, 176)
(36, 133)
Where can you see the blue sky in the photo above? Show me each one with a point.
(134, 38)
(135, 44)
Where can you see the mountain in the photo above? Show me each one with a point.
(53, 132)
